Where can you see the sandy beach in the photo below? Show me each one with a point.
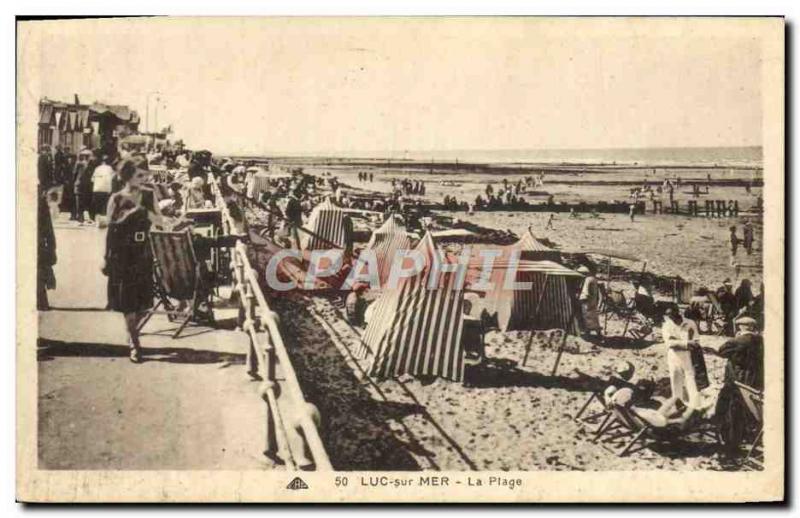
(505, 415)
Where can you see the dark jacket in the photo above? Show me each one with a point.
(45, 167)
(83, 178)
(745, 355)
(294, 211)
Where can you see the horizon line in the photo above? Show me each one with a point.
(354, 153)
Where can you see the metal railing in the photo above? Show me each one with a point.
(291, 421)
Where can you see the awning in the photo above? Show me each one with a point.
(46, 114)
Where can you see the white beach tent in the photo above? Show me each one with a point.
(417, 330)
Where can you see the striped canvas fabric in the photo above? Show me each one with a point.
(333, 225)
(176, 261)
(415, 330)
(516, 308)
(551, 303)
(386, 241)
(532, 248)
(258, 183)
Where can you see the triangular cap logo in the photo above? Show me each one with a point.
(297, 483)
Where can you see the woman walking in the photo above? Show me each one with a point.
(128, 260)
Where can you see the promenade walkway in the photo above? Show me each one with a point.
(190, 405)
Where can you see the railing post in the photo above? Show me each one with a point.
(272, 448)
(249, 325)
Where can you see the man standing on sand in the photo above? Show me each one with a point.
(294, 218)
(632, 211)
(747, 237)
(745, 355)
(590, 300)
(734, 241)
(550, 219)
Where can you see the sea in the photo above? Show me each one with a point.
(750, 156)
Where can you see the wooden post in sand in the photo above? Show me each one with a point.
(563, 342)
(533, 320)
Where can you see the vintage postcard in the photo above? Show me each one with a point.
(433, 259)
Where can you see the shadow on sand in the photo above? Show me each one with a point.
(51, 349)
(359, 432)
(623, 342)
(495, 373)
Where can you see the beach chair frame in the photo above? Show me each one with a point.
(627, 426)
(602, 415)
(754, 402)
(717, 321)
(199, 291)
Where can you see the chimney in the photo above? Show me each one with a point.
(77, 101)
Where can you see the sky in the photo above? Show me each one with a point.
(335, 85)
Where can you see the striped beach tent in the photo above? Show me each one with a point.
(328, 225)
(417, 330)
(260, 182)
(385, 242)
(551, 303)
(534, 249)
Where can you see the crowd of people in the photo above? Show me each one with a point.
(118, 187)
(112, 186)
(407, 187)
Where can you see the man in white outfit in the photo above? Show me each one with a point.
(683, 386)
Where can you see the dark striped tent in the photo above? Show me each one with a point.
(329, 225)
(551, 303)
(416, 330)
(385, 242)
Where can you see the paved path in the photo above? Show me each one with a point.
(190, 405)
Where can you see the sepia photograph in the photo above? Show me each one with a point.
(418, 259)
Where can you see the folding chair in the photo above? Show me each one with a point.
(754, 402)
(602, 415)
(614, 301)
(181, 277)
(628, 427)
(717, 319)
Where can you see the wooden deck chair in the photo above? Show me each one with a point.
(754, 402)
(615, 302)
(601, 415)
(182, 278)
(716, 319)
(628, 428)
